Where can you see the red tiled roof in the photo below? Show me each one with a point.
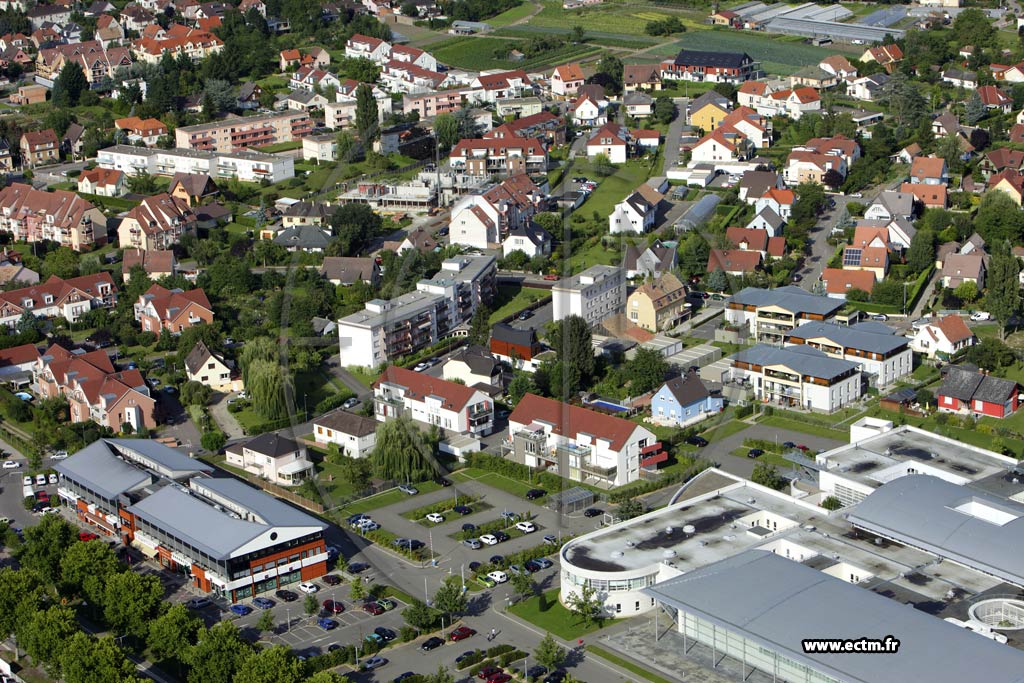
(954, 328)
(17, 355)
(839, 281)
(777, 246)
(756, 239)
(418, 386)
(569, 72)
(569, 420)
(927, 167)
(929, 195)
(733, 260)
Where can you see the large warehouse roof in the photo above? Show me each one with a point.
(778, 603)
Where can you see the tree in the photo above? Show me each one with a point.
(523, 584)
(925, 397)
(585, 604)
(173, 633)
(356, 472)
(130, 601)
(450, 598)
(327, 677)
(401, 452)
(549, 653)
(446, 128)
(991, 354)
(999, 219)
(347, 146)
(716, 281)
(966, 291)
(195, 393)
(419, 615)
(521, 384)
(766, 474)
(480, 326)
(213, 440)
(973, 27)
(356, 591)
(664, 109)
(69, 86)
(646, 371)
(630, 508)
(84, 659)
(578, 34)
(219, 652)
(355, 225)
(1003, 297)
(272, 665)
(693, 254)
(810, 198)
(270, 385)
(142, 183)
(857, 294)
(602, 165)
(611, 67)
(45, 545)
(45, 633)
(974, 110)
(921, 254)
(22, 592)
(367, 116)
(85, 568)
(906, 104)
(833, 178)
(266, 621)
(571, 340)
(442, 675)
(311, 605)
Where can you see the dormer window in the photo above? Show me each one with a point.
(47, 299)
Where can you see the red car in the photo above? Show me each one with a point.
(488, 671)
(87, 536)
(499, 678)
(333, 607)
(802, 447)
(461, 633)
(552, 277)
(374, 609)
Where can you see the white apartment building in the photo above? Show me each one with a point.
(595, 294)
(433, 401)
(770, 313)
(797, 377)
(248, 166)
(881, 353)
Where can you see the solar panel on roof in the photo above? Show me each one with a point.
(851, 257)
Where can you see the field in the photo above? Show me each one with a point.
(513, 15)
(478, 54)
(610, 18)
(598, 38)
(777, 54)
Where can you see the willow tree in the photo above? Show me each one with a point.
(269, 385)
(401, 451)
(258, 349)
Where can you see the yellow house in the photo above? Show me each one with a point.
(660, 305)
(708, 117)
(1011, 182)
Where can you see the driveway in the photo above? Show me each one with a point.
(721, 451)
(228, 424)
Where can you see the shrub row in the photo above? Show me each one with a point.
(385, 539)
(744, 411)
(679, 476)
(492, 526)
(765, 445)
(332, 402)
(514, 470)
(442, 506)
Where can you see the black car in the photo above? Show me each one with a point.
(497, 560)
(352, 519)
(526, 315)
(697, 441)
(415, 544)
(469, 527)
(592, 512)
(534, 494)
(464, 656)
(532, 566)
(755, 453)
(386, 634)
(333, 646)
(357, 567)
(501, 536)
(287, 596)
(431, 644)
(442, 481)
(463, 509)
(788, 444)
(556, 676)
(473, 566)
(536, 671)
(332, 580)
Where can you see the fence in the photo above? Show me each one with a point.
(281, 492)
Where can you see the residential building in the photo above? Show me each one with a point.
(770, 313)
(707, 111)
(890, 205)
(838, 281)
(634, 214)
(99, 64)
(405, 77)
(238, 133)
(747, 239)
(308, 238)
(683, 401)
(272, 457)
(531, 239)
(347, 270)
(645, 77)
(518, 106)
(39, 147)
(813, 77)
(721, 146)
(157, 263)
(1009, 182)
(430, 104)
(652, 261)
(754, 184)
(354, 434)
(504, 156)
(884, 357)
(960, 268)
(58, 298)
(29, 94)
(489, 88)
(31, 215)
(229, 538)
(516, 346)
(146, 131)
(102, 182)
(249, 96)
(767, 220)
(342, 113)
(245, 165)
(211, 369)
(929, 171)
(566, 80)
(659, 305)
(177, 40)
(484, 220)
(960, 78)
(886, 55)
(577, 443)
(612, 140)
(94, 389)
(158, 222)
(930, 196)
(475, 367)
(779, 201)
(595, 294)
(975, 392)
(994, 98)
(868, 88)
(192, 188)
(797, 377)
(433, 401)
(717, 67)
(161, 310)
(365, 47)
(944, 338)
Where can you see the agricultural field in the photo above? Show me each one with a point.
(595, 38)
(513, 15)
(610, 18)
(478, 54)
(777, 54)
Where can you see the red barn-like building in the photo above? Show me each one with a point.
(975, 392)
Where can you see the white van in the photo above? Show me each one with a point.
(497, 576)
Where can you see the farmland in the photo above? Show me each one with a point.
(610, 18)
(777, 54)
(478, 54)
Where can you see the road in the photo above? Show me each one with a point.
(675, 129)
(820, 250)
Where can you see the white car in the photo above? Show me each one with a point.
(364, 522)
(435, 517)
(26, 481)
(420, 367)
(53, 478)
(489, 539)
(497, 576)
(977, 316)
(50, 511)
(526, 527)
(40, 480)
(11, 465)
(307, 587)
(59, 455)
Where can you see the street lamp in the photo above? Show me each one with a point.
(288, 616)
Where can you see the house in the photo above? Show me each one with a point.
(884, 357)
(638, 105)
(890, 205)
(365, 47)
(769, 313)
(73, 142)
(156, 263)
(635, 214)
(868, 88)
(354, 434)
(302, 100)
(473, 366)
(192, 188)
(726, 18)
(653, 261)
(797, 377)
(717, 67)
(419, 239)
(39, 147)
(94, 389)
(544, 126)
(1009, 181)
(307, 238)
(580, 444)
(791, 102)
(975, 392)
(707, 111)
(839, 66)
(813, 77)
(929, 171)
(595, 294)
(1001, 159)
(588, 112)
(531, 239)
(158, 222)
(720, 146)
(872, 256)
(645, 77)
(348, 270)
(211, 369)
(249, 96)
(177, 40)
(161, 310)
(272, 457)
(102, 182)
(13, 272)
(769, 221)
(58, 298)
(806, 166)
(566, 80)
(747, 239)
(612, 140)
(944, 338)
(754, 184)
(839, 281)
(307, 213)
(516, 346)
(907, 154)
(960, 268)
(994, 98)
(146, 131)
(886, 55)
(432, 401)
(29, 94)
(489, 88)
(658, 305)
(960, 78)
(483, 220)
(32, 215)
(683, 401)
(750, 124)
(931, 196)
(734, 261)
(504, 156)
(779, 201)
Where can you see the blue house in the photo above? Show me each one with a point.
(684, 400)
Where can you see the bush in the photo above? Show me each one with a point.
(407, 634)
(332, 402)
(441, 506)
(640, 488)
(744, 411)
(471, 660)
(510, 657)
(499, 650)
(492, 526)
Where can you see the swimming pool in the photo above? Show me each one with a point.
(614, 407)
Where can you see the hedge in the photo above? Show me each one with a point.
(744, 411)
(514, 470)
(492, 526)
(268, 426)
(332, 402)
(764, 445)
(679, 476)
(472, 659)
(443, 506)
(385, 539)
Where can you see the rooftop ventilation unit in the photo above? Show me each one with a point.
(691, 529)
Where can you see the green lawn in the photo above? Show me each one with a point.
(495, 480)
(514, 298)
(614, 188)
(626, 664)
(281, 147)
(725, 430)
(366, 376)
(480, 53)
(546, 613)
(619, 19)
(389, 497)
(805, 428)
(513, 15)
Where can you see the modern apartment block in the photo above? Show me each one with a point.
(245, 165)
(387, 329)
(595, 294)
(241, 132)
(797, 377)
(770, 313)
(32, 215)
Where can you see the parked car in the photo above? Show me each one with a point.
(464, 656)
(461, 633)
(385, 634)
(497, 576)
(352, 520)
(350, 403)
(435, 517)
(489, 539)
(442, 481)
(881, 317)
(286, 595)
(509, 515)
(487, 581)
(26, 481)
(514, 569)
(788, 444)
(551, 277)
(373, 608)
(263, 603)
(463, 510)
(53, 478)
(536, 671)
(473, 544)
(544, 562)
(308, 587)
(403, 676)
(326, 624)
(386, 604)
(550, 538)
(408, 490)
(531, 566)
(497, 560)
(473, 566)
(755, 453)
(526, 527)
(333, 606)
(40, 480)
(11, 465)
(593, 512)
(357, 567)
(431, 644)
(487, 672)
(500, 678)
(198, 603)
(374, 638)
(469, 526)
(501, 536)
(331, 580)
(556, 676)
(526, 315)
(374, 662)
(241, 610)
(977, 316)
(534, 494)
(697, 441)
(87, 536)
(420, 367)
